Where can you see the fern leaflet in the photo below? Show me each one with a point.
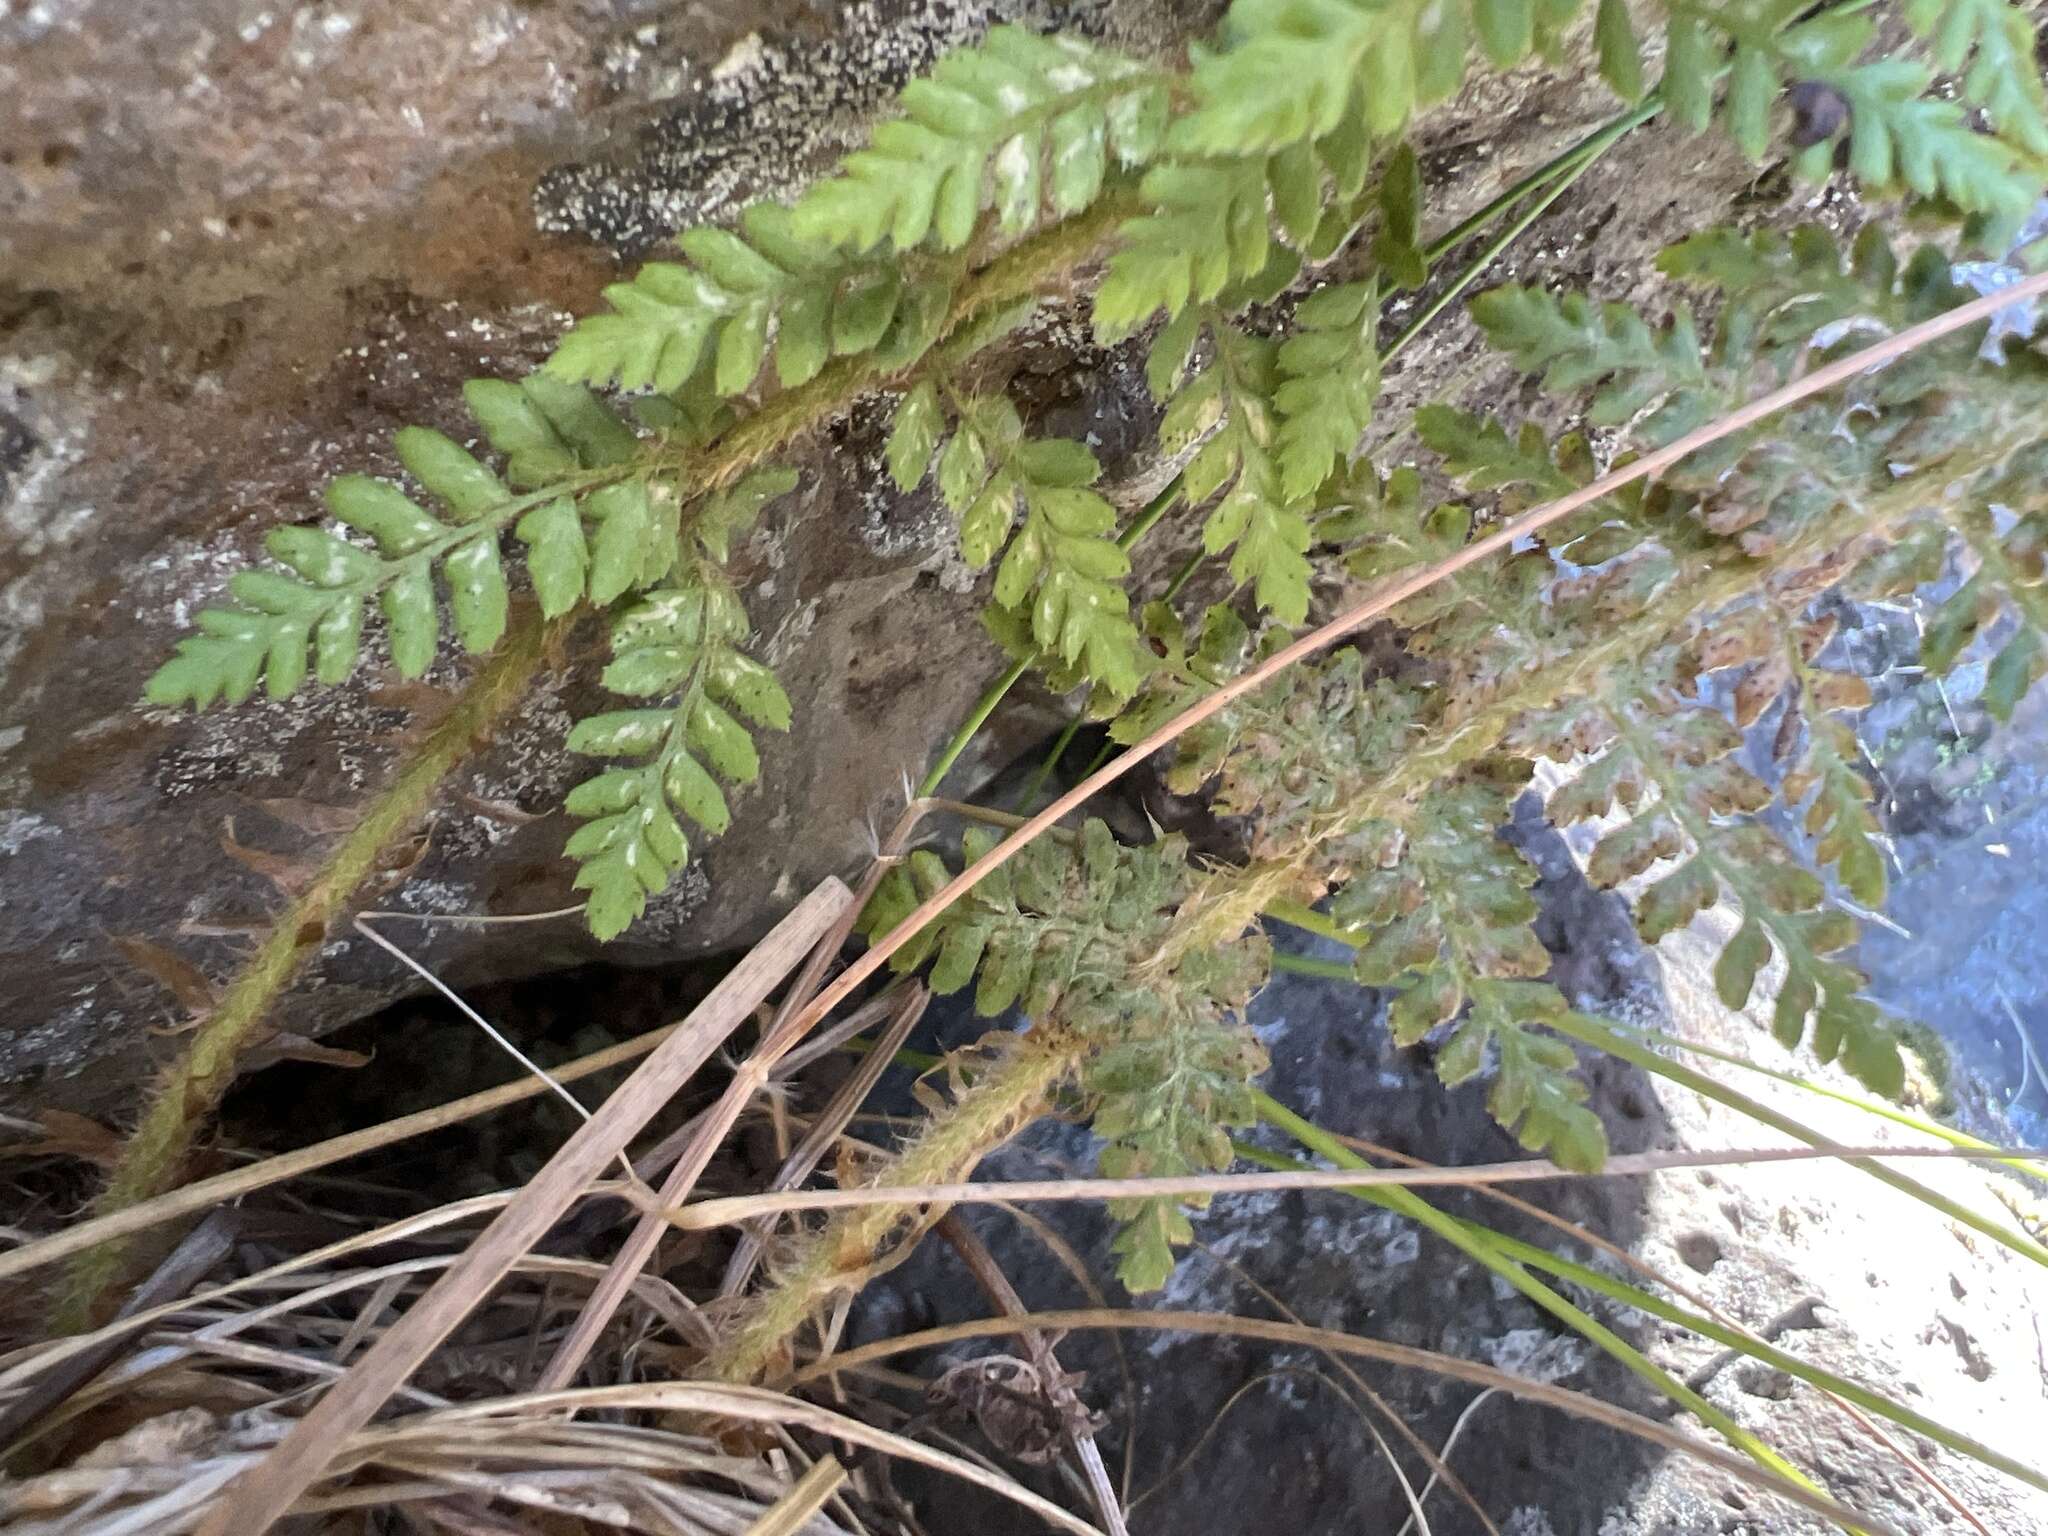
(1026, 506)
(678, 643)
(1020, 123)
(565, 448)
(1079, 935)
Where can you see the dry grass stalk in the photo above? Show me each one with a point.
(824, 1131)
(796, 1018)
(1629, 1261)
(794, 1509)
(205, 1194)
(737, 1208)
(1073, 1417)
(265, 1493)
(1162, 1320)
(708, 1130)
(164, 1475)
(22, 1365)
(1436, 1461)
(664, 1154)
(202, 1248)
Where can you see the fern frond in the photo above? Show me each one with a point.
(1898, 137)
(1329, 381)
(1477, 625)
(1573, 343)
(1991, 45)
(678, 644)
(1021, 123)
(1781, 291)
(1299, 760)
(1234, 402)
(741, 294)
(1293, 70)
(1689, 824)
(1026, 505)
(1207, 229)
(1447, 912)
(1078, 935)
(560, 442)
(2000, 520)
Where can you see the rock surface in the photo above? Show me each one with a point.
(241, 245)
(238, 247)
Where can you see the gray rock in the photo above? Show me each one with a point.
(241, 246)
(299, 231)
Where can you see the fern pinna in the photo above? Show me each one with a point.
(1245, 217)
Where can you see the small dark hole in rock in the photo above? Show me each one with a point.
(424, 1054)
(1700, 1250)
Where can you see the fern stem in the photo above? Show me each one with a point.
(1052, 759)
(1623, 1294)
(188, 1092)
(971, 726)
(838, 1256)
(1471, 1240)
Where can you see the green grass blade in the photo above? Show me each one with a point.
(1474, 1245)
(1624, 1294)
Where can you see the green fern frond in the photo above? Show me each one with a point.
(1780, 290)
(1293, 70)
(1477, 625)
(1899, 138)
(1991, 45)
(679, 644)
(1253, 451)
(1207, 229)
(1026, 505)
(559, 441)
(1691, 828)
(1021, 124)
(1079, 936)
(1329, 381)
(1447, 914)
(1573, 343)
(768, 285)
(1299, 760)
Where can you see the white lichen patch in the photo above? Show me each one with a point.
(773, 109)
(20, 828)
